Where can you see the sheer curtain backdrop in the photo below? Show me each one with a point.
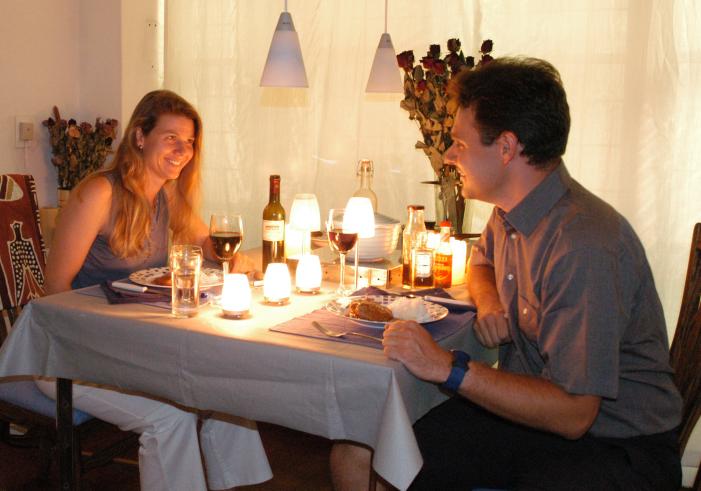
(631, 69)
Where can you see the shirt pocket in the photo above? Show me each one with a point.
(528, 319)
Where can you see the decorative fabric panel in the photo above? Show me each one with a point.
(22, 250)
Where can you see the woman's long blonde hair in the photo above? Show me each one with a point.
(131, 209)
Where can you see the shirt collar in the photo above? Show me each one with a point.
(525, 216)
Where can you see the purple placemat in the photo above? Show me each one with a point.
(302, 326)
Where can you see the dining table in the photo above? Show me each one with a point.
(268, 367)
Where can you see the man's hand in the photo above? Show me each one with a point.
(410, 343)
(492, 328)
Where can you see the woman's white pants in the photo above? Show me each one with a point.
(169, 455)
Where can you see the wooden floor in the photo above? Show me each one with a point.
(299, 462)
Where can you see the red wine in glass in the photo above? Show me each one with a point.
(226, 234)
(342, 242)
(226, 244)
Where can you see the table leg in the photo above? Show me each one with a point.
(64, 430)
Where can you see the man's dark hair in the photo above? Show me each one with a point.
(522, 95)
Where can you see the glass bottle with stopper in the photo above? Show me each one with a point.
(366, 171)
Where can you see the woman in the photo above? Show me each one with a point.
(116, 222)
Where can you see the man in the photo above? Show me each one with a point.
(583, 397)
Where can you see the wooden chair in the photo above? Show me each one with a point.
(685, 354)
(22, 264)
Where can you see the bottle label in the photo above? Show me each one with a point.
(422, 264)
(273, 230)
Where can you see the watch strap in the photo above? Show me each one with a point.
(460, 367)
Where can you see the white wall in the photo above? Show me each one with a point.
(91, 58)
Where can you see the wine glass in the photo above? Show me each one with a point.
(226, 233)
(341, 239)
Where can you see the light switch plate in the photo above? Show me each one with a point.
(19, 141)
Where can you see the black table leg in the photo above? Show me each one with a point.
(64, 430)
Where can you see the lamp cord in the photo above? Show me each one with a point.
(285, 5)
(385, 14)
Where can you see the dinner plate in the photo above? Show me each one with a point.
(209, 277)
(340, 305)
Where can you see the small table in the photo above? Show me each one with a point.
(331, 389)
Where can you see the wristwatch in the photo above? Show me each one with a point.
(460, 367)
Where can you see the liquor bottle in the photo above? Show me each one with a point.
(414, 233)
(421, 263)
(365, 172)
(443, 259)
(273, 226)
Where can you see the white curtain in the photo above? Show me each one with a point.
(631, 69)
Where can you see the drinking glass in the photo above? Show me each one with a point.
(226, 233)
(342, 238)
(185, 267)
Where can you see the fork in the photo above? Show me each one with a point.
(334, 334)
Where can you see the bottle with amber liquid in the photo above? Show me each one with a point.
(273, 226)
(365, 172)
(414, 235)
(443, 259)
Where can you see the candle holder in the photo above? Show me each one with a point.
(276, 284)
(235, 300)
(308, 274)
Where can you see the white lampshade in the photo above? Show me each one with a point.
(359, 217)
(384, 74)
(284, 66)
(304, 214)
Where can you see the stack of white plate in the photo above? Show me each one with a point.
(383, 243)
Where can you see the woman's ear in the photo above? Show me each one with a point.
(140, 138)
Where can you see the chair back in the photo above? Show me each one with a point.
(22, 250)
(685, 353)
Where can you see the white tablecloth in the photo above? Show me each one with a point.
(331, 389)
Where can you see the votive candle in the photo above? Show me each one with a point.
(308, 275)
(277, 284)
(236, 296)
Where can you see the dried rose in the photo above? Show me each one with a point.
(434, 50)
(85, 127)
(421, 86)
(439, 67)
(470, 62)
(487, 46)
(485, 59)
(453, 45)
(405, 60)
(73, 131)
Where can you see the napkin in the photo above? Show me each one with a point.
(117, 295)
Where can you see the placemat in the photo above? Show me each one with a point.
(302, 325)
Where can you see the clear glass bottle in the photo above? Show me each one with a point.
(443, 259)
(414, 235)
(366, 171)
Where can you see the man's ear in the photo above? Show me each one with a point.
(509, 146)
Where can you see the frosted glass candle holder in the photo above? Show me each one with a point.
(277, 284)
(308, 275)
(236, 296)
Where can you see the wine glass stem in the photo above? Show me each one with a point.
(357, 275)
(342, 275)
(225, 267)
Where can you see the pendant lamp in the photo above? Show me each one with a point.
(384, 74)
(284, 66)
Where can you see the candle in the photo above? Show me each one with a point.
(236, 296)
(308, 274)
(276, 284)
(459, 248)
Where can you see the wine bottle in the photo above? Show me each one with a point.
(273, 226)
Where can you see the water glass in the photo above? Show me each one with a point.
(185, 267)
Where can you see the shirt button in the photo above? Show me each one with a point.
(524, 311)
(510, 277)
(513, 235)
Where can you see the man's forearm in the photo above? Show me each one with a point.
(481, 284)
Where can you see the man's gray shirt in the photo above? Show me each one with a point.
(574, 280)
